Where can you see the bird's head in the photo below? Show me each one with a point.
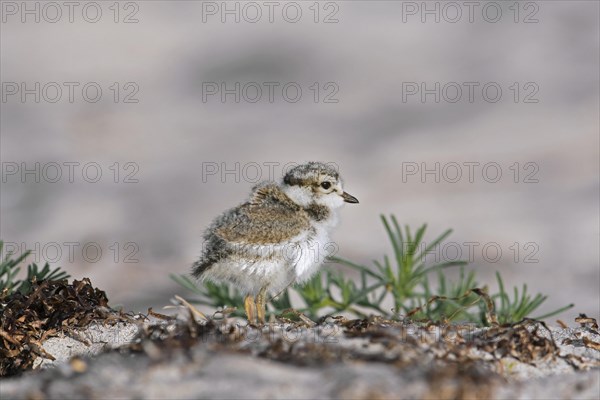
(316, 182)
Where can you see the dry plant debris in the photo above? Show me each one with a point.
(457, 360)
(401, 343)
(50, 308)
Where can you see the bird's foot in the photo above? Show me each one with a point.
(250, 308)
(261, 299)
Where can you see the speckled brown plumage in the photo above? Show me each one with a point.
(270, 217)
(278, 236)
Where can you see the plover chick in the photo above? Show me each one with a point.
(278, 237)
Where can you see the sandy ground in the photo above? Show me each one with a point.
(334, 360)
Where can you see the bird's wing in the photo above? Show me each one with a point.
(269, 217)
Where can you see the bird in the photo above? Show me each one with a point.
(278, 237)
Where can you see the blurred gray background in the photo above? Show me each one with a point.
(159, 126)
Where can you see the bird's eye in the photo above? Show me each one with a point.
(325, 185)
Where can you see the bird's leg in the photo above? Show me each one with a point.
(250, 308)
(261, 299)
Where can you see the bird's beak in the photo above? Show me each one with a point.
(348, 198)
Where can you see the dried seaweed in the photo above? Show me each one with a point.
(447, 351)
(522, 341)
(49, 309)
(589, 323)
(458, 349)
